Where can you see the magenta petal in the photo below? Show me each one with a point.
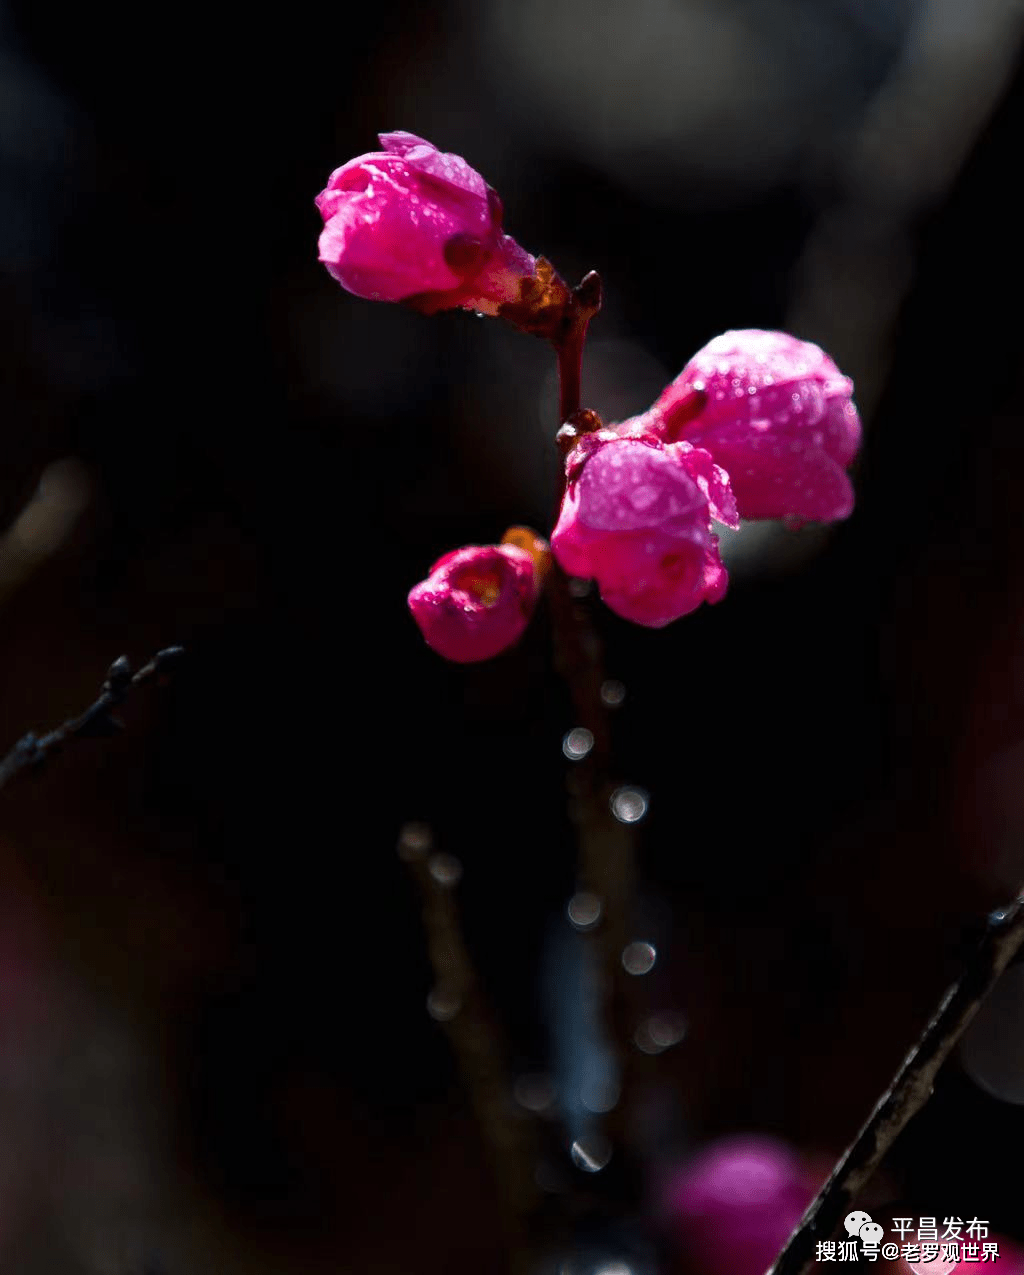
(804, 486)
(711, 479)
(777, 414)
(442, 166)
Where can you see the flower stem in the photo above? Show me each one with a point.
(606, 849)
(910, 1089)
(584, 303)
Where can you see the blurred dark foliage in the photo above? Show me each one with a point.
(272, 465)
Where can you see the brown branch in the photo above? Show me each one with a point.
(910, 1089)
(33, 750)
(584, 304)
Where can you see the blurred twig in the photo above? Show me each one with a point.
(97, 720)
(912, 142)
(909, 1091)
(458, 1003)
(45, 523)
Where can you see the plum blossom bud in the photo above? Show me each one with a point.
(735, 1204)
(476, 601)
(412, 223)
(777, 414)
(636, 517)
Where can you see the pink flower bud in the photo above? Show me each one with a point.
(777, 414)
(735, 1204)
(476, 601)
(636, 517)
(411, 223)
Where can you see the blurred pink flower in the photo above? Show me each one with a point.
(636, 517)
(412, 223)
(734, 1205)
(1010, 1260)
(476, 601)
(777, 414)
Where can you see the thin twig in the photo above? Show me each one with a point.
(584, 303)
(909, 1091)
(97, 720)
(458, 1003)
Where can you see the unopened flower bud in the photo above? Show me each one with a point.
(636, 517)
(476, 601)
(777, 414)
(412, 223)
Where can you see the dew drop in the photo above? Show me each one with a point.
(445, 869)
(612, 693)
(414, 841)
(591, 1153)
(600, 1096)
(577, 743)
(535, 1091)
(638, 958)
(660, 1032)
(642, 497)
(629, 805)
(443, 1004)
(584, 910)
(992, 1050)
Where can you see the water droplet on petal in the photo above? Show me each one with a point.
(642, 497)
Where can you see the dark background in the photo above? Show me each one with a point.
(214, 1053)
